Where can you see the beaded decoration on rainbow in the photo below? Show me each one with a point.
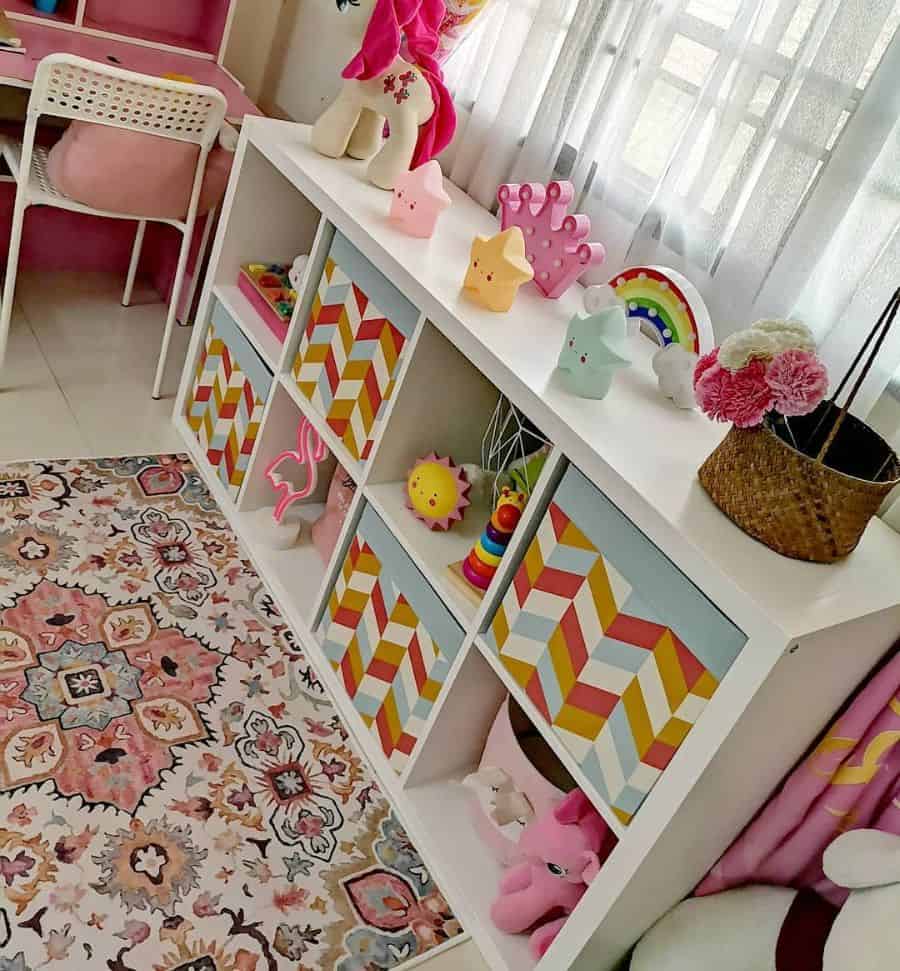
(556, 243)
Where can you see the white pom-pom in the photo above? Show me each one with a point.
(787, 334)
(674, 366)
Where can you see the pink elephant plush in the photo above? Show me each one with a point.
(563, 852)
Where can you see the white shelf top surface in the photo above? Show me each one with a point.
(641, 450)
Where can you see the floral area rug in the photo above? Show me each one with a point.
(176, 790)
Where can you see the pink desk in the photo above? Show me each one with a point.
(58, 240)
(18, 69)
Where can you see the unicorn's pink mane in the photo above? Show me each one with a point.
(416, 21)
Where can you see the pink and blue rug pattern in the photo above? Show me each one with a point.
(177, 793)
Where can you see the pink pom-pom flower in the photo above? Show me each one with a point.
(711, 391)
(748, 396)
(705, 363)
(742, 397)
(798, 381)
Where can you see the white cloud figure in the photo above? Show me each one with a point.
(674, 366)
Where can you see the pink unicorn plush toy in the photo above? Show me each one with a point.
(395, 77)
(563, 852)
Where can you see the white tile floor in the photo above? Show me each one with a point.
(77, 384)
(79, 369)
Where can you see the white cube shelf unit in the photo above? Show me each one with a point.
(679, 671)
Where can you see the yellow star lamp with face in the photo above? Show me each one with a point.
(497, 268)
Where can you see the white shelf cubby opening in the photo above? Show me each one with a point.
(268, 222)
(447, 807)
(550, 737)
(299, 571)
(443, 405)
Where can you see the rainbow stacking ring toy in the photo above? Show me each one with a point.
(481, 564)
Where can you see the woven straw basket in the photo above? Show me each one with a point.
(792, 502)
(807, 487)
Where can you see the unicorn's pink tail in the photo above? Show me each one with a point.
(422, 37)
(419, 21)
(435, 135)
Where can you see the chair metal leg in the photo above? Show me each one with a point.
(12, 270)
(173, 313)
(198, 267)
(135, 261)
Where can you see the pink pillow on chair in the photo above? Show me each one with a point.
(131, 172)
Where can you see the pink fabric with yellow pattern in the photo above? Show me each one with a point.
(850, 781)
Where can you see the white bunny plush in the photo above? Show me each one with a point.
(752, 929)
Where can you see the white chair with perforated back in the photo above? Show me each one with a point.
(82, 90)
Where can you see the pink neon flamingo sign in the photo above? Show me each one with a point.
(310, 451)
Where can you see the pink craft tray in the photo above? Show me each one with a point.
(248, 287)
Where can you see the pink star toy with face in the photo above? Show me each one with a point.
(419, 199)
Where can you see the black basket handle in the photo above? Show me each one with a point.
(877, 336)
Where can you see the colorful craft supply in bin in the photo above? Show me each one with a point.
(268, 288)
(481, 564)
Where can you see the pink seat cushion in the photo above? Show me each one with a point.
(135, 173)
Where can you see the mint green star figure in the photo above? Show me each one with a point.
(596, 347)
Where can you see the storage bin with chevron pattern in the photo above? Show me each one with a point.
(615, 647)
(357, 334)
(390, 638)
(227, 400)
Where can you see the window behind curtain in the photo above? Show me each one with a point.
(714, 168)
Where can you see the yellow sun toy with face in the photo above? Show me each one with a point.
(437, 492)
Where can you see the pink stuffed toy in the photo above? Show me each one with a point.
(327, 528)
(563, 852)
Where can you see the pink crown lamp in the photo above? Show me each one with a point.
(419, 199)
(555, 241)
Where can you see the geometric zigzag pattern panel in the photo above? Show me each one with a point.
(611, 642)
(226, 405)
(357, 333)
(389, 638)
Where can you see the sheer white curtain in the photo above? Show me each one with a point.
(752, 144)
